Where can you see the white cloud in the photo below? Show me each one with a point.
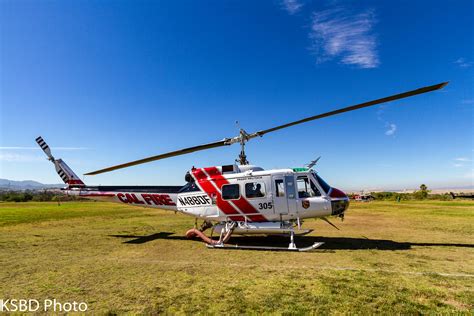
(292, 6)
(392, 128)
(38, 148)
(463, 62)
(336, 33)
(14, 157)
(461, 162)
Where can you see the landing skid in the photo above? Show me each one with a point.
(263, 248)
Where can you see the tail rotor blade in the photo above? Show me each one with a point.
(45, 147)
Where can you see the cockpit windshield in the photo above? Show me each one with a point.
(326, 187)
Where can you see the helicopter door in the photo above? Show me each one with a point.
(291, 193)
(280, 201)
(284, 197)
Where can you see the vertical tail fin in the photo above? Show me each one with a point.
(66, 173)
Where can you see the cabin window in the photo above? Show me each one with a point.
(230, 192)
(280, 188)
(306, 188)
(290, 187)
(255, 190)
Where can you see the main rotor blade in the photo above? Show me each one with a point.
(355, 107)
(162, 156)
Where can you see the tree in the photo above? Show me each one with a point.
(422, 193)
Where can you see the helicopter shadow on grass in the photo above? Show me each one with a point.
(330, 243)
(137, 239)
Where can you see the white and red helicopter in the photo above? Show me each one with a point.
(237, 198)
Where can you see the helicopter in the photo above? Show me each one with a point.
(237, 198)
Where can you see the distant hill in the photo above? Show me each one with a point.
(6, 184)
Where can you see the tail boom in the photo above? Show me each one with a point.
(153, 197)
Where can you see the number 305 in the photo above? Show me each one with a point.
(265, 206)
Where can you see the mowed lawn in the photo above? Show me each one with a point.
(387, 257)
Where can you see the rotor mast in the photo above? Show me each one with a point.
(243, 139)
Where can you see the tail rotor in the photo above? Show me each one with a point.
(45, 148)
(63, 170)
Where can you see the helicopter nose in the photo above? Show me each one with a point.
(339, 201)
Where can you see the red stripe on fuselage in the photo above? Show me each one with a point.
(199, 174)
(242, 204)
(209, 188)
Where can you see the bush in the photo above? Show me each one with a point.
(12, 196)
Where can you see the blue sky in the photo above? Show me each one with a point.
(105, 82)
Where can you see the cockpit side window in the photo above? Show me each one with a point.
(315, 188)
(306, 188)
(280, 188)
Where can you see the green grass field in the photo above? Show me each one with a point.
(388, 257)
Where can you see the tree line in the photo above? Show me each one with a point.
(422, 194)
(38, 196)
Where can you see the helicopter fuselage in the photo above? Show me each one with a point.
(235, 193)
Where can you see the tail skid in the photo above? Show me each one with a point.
(66, 173)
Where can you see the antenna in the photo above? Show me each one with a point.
(313, 163)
